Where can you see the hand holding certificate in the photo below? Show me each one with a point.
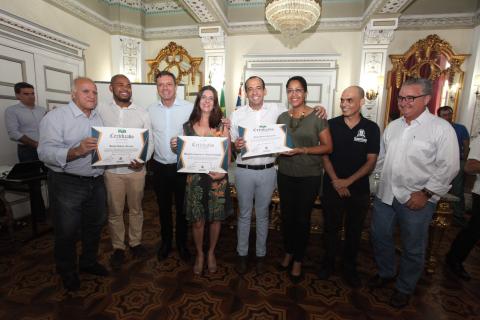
(119, 145)
(202, 154)
(265, 139)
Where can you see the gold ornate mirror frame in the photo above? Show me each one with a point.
(431, 58)
(175, 58)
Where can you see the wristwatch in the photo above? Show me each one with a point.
(427, 193)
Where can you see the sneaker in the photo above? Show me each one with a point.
(116, 259)
(139, 251)
(399, 299)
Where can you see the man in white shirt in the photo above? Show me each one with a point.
(418, 160)
(167, 117)
(255, 177)
(125, 181)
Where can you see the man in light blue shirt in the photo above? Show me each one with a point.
(167, 117)
(22, 121)
(76, 188)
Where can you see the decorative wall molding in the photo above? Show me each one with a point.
(171, 33)
(459, 20)
(394, 6)
(18, 29)
(379, 31)
(300, 61)
(200, 9)
(158, 7)
(212, 37)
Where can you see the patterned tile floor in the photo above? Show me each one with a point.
(148, 289)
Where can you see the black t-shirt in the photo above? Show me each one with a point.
(350, 149)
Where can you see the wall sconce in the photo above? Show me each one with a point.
(376, 83)
(476, 83)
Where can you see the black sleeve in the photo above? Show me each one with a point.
(373, 141)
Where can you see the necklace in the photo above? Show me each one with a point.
(295, 123)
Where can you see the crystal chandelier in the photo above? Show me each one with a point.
(292, 17)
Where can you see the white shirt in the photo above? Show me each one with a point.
(421, 155)
(131, 117)
(167, 123)
(248, 118)
(475, 155)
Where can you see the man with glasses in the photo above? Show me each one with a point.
(463, 138)
(356, 143)
(418, 159)
(125, 181)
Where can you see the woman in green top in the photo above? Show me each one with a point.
(299, 173)
(207, 196)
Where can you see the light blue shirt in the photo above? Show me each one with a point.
(21, 120)
(62, 129)
(167, 122)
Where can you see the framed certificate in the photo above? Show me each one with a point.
(202, 154)
(265, 139)
(119, 145)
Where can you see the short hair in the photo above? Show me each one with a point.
(165, 73)
(115, 77)
(444, 108)
(21, 85)
(425, 83)
(215, 115)
(254, 77)
(300, 79)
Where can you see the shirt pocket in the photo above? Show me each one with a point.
(422, 151)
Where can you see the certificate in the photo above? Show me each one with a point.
(202, 154)
(119, 145)
(265, 139)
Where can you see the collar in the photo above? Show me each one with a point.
(424, 117)
(263, 107)
(77, 112)
(175, 103)
(131, 106)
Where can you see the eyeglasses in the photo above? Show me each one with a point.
(297, 91)
(409, 99)
(207, 98)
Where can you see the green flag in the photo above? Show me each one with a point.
(222, 101)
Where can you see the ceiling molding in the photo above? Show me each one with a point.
(200, 10)
(394, 6)
(171, 33)
(158, 7)
(438, 21)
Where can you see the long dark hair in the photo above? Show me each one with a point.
(215, 115)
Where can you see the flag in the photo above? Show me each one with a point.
(239, 97)
(222, 101)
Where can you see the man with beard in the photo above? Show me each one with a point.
(125, 181)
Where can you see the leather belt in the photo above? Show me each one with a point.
(88, 178)
(256, 166)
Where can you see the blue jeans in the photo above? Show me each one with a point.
(254, 186)
(414, 226)
(78, 212)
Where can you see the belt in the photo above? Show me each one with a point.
(88, 178)
(255, 167)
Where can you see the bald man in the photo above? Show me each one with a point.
(76, 188)
(356, 144)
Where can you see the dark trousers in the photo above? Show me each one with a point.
(167, 184)
(27, 153)
(355, 209)
(297, 196)
(78, 212)
(468, 236)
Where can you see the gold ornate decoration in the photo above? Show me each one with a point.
(432, 56)
(175, 58)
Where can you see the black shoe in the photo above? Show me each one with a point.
(457, 269)
(325, 272)
(184, 253)
(295, 279)
(352, 279)
(116, 259)
(95, 269)
(260, 266)
(282, 268)
(70, 281)
(399, 299)
(163, 252)
(378, 282)
(242, 264)
(139, 251)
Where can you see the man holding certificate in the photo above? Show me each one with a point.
(126, 180)
(255, 176)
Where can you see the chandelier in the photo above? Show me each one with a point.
(292, 17)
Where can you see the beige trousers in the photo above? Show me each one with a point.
(119, 186)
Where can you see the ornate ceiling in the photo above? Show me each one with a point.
(157, 19)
